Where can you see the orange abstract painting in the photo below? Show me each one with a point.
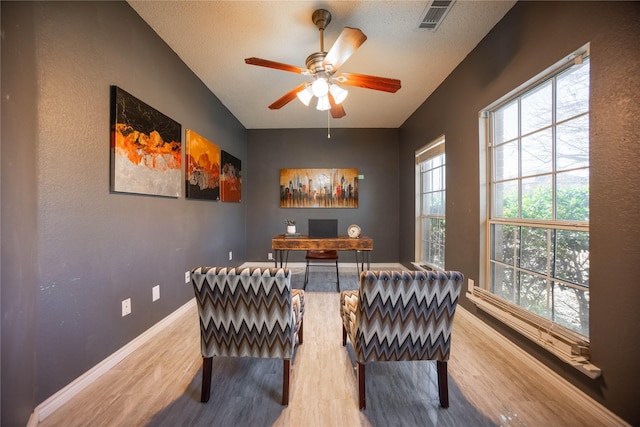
(203, 167)
(146, 149)
(230, 178)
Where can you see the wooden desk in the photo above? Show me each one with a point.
(282, 245)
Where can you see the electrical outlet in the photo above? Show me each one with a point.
(230, 255)
(126, 307)
(187, 276)
(270, 256)
(155, 293)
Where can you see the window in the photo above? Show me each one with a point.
(536, 258)
(539, 198)
(430, 205)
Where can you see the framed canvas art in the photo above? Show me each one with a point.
(203, 167)
(146, 148)
(230, 178)
(319, 188)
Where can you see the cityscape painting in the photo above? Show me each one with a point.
(319, 188)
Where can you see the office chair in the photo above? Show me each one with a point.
(319, 258)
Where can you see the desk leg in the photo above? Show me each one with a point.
(280, 257)
(283, 262)
(360, 263)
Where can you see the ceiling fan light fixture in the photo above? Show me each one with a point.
(323, 103)
(320, 87)
(338, 93)
(305, 95)
(323, 66)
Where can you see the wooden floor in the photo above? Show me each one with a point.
(146, 388)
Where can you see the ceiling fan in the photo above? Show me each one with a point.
(323, 67)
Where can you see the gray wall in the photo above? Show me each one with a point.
(18, 218)
(373, 151)
(532, 37)
(71, 250)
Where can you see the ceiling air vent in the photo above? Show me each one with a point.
(435, 13)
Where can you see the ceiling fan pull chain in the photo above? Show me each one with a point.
(328, 125)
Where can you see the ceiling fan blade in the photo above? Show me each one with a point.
(384, 84)
(347, 43)
(286, 98)
(276, 65)
(337, 110)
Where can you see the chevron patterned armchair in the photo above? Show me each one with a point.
(247, 312)
(399, 316)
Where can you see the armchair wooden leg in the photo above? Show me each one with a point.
(362, 404)
(443, 384)
(300, 332)
(344, 336)
(286, 369)
(207, 364)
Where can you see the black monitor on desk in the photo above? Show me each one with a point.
(323, 228)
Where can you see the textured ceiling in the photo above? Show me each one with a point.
(214, 37)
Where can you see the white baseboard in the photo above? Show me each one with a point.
(53, 403)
